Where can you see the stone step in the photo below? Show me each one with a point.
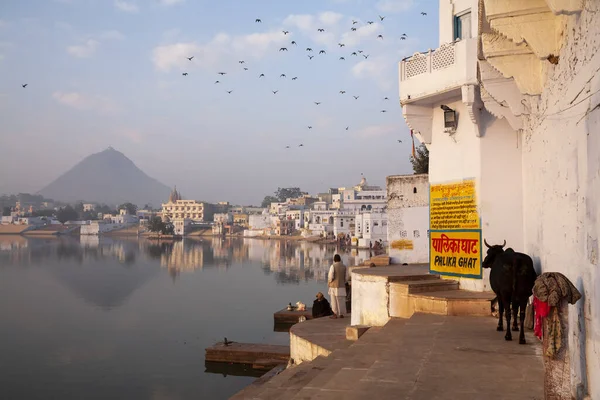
(443, 302)
(423, 285)
(414, 277)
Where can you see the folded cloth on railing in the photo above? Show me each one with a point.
(552, 287)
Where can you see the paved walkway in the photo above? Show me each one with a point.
(426, 357)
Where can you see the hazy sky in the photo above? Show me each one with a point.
(109, 72)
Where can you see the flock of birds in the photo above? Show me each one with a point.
(310, 57)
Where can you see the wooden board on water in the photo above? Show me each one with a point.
(291, 317)
(246, 353)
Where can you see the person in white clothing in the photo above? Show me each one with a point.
(336, 280)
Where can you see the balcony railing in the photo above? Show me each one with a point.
(432, 60)
(432, 75)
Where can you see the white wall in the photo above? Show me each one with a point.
(447, 11)
(561, 182)
(409, 224)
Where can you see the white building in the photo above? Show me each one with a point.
(89, 207)
(223, 218)
(371, 226)
(408, 218)
(520, 87)
(99, 227)
(181, 226)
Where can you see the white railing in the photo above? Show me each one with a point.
(432, 60)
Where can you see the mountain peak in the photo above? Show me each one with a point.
(107, 177)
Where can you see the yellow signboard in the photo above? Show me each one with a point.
(453, 206)
(455, 229)
(456, 253)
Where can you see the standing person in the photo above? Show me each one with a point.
(336, 280)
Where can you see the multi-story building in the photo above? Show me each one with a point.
(508, 108)
(177, 208)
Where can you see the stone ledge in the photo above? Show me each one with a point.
(318, 337)
(354, 332)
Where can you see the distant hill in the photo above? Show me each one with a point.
(107, 177)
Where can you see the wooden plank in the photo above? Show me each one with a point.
(246, 353)
(291, 317)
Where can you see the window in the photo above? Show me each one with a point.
(414, 190)
(462, 26)
(342, 223)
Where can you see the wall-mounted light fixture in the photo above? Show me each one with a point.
(449, 117)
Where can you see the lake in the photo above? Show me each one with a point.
(102, 318)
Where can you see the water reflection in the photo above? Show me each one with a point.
(106, 318)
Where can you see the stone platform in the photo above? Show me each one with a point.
(320, 337)
(381, 293)
(426, 357)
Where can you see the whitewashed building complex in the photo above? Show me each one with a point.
(508, 106)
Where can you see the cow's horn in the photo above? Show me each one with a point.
(504, 243)
(486, 243)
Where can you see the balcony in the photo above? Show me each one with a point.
(434, 76)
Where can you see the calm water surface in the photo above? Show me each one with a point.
(103, 318)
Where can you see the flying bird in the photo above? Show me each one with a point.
(385, 98)
(354, 22)
(283, 49)
(282, 76)
(356, 97)
(308, 49)
(309, 127)
(24, 85)
(322, 52)
(222, 73)
(287, 147)
(285, 32)
(347, 127)
(275, 91)
(399, 141)
(423, 13)
(317, 102)
(404, 34)
(245, 69)
(190, 58)
(360, 51)
(311, 57)
(184, 74)
(379, 36)
(353, 29)
(257, 20)
(402, 37)
(294, 43)
(341, 44)
(242, 62)
(301, 145)
(381, 18)
(229, 91)
(342, 91)
(369, 22)
(383, 111)
(261, 75)
(354, 53)
(342, 58)
(367, 56)
(294, 78)
(217, 82)
(321, 30)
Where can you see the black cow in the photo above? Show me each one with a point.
(512, 279)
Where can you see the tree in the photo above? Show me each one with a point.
(6, 211)
(43, 213)
(420, 162)
(155, 225)
(104, 209)
(268, 200)
(79, 207)
(66, 213)
(131, 208)
(283, 194)
(168, 229)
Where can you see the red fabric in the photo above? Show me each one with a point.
(541, 311)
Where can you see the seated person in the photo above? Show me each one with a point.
(321, 307)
